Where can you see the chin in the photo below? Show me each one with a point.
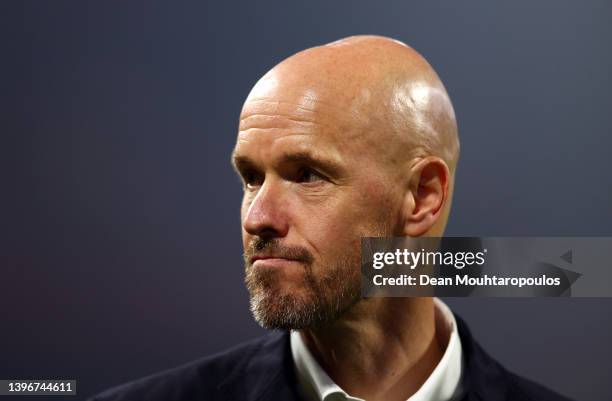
(285, 308)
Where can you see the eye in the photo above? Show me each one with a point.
(308, 175)
(252, 179)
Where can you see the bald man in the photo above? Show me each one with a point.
(351, 139)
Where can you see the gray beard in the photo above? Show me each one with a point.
(320, 300)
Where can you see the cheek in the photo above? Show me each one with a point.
(356, 214)
(336, 225)
(332, 238)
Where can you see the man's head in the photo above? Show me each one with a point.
(350, 139)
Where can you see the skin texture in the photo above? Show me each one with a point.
(354, 138)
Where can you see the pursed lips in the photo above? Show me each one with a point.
(271, 259)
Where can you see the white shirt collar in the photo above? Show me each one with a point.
(444, 383)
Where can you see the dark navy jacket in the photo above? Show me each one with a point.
(263, 370)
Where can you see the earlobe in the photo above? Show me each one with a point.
(426, 196)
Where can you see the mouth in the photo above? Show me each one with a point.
(255, 258)
(272, 261)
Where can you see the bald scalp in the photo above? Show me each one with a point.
(384, 92)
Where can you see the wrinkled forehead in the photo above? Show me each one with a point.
(291, 112)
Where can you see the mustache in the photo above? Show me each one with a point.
(273, 247)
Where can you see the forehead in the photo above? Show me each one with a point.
(272, 125)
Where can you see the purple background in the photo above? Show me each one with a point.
(120, 250)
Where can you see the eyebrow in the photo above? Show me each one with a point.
(329, 166)
(240, 163)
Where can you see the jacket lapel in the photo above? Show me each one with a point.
(484, 378)
(267, 374)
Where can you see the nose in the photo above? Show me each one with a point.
(266, 215)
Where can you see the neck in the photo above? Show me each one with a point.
(381, 349)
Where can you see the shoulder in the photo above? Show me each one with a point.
(485, 378)
(202, 378)
(530, 390)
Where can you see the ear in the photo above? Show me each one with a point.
(426, 196)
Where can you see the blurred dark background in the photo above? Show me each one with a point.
(120, 250)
